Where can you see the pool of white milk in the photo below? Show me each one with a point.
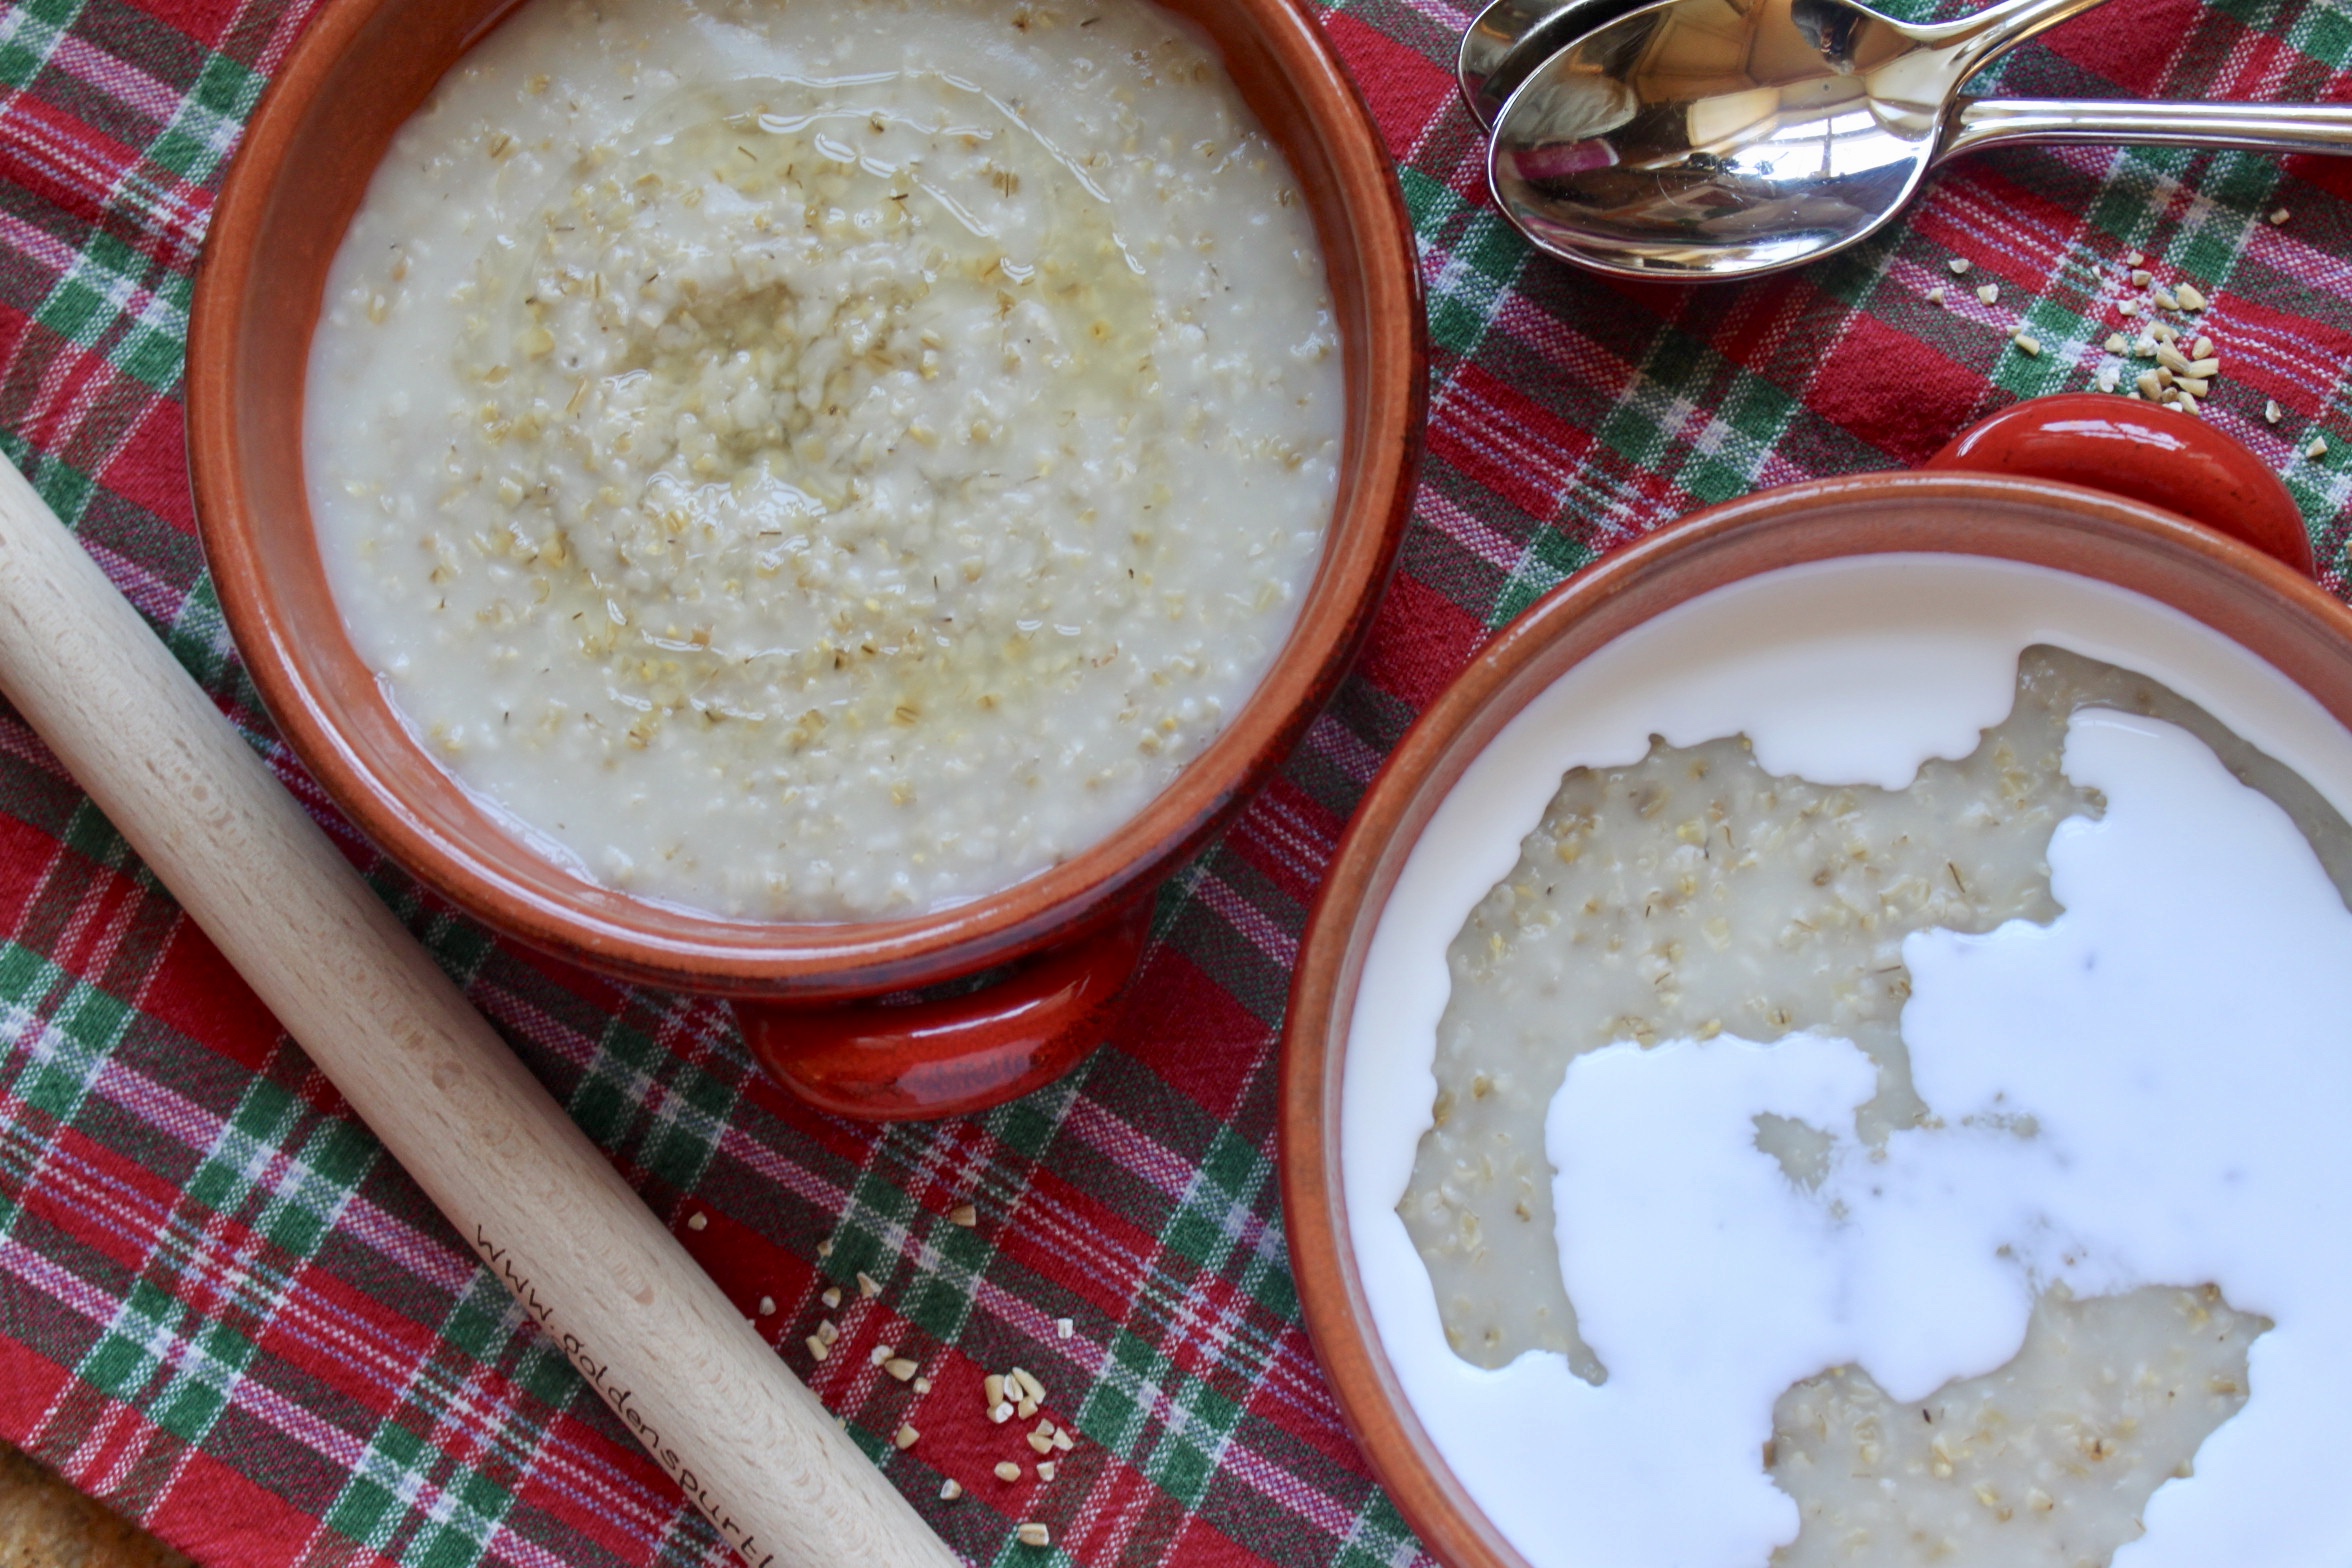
(2170, 1042)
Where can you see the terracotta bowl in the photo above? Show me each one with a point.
(2086, 484)
(356, 74)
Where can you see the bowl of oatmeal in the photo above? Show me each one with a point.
(1816, 1048)
(808, 503)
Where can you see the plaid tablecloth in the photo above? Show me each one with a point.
(223, 1310)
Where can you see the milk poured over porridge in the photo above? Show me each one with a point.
(819, 461)
(1693, 895)
(1833, 1157)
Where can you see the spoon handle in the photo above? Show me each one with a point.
(1970, 43)
(2259, 127)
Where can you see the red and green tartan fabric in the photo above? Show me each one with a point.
(223, 1310)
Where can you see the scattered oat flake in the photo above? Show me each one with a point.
(2271, 412)
(866, 1286)
(1006, 1470)
(950, 1489)
(1958, 264)
(1034, 1534)
(2317, 448)
(697, 1220)
(905, 1436)
(1990, 293)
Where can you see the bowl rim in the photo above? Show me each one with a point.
(1386, 396)
(2278, 614)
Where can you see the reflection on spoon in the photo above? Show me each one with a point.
(1703, 139)
(1709, 137)
(1511, 38)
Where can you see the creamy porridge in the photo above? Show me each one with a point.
(1693, 895)
(2045, 1462)
(814, 461)
(1883, 1113)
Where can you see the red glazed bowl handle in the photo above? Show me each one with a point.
(2142, 453)
(879, 1063)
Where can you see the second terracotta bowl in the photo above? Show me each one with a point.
(356, 74)
(2019, 488)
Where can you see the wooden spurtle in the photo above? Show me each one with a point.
(749, 1445)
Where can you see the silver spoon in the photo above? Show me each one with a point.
(1698, 139)
(1511, 39)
